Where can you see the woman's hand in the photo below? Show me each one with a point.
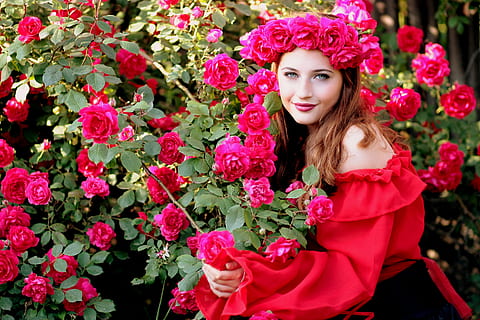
(224, 282)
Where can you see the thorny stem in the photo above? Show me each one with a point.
(172, 198)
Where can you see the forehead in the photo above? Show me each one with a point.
(305, 59)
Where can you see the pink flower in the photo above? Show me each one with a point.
(99, 122)
(14, 184)
(171, 221)
(169, 154)
(319, 210)
(168, 177)
(12, 216)
(261, 83)
(305, 32)
(46, 145)
(459, 102)
(6, 86)
(183, 301)
(88, 292)
(278, 32)
(180, 21)
(369, 98)
(261, 165)
(95, 186)
(213, 35)
(48, 267)
(38, 191)
(221, 72)
(231, 159)
(357, 15)
(166, 4)
(409, 39)
(21, 239)
(101, 235)
(282, 249)
(7, 154)
(126, 134)
(434, 51)
(431, 68)
(192, 244)
(443, 176)
(404, 103)
(211, 243)
(294, 186)
(29, 28)
(260, 142)
(37, 288)
(254, 119)
(131, 64)
(87, 167)
(257, 47)
(374, 63)
(450, 153)
(8, 266)
(16, 111)
(258, 191)
(263, 315)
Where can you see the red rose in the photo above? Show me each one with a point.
(16, 111)
(231, 159)
(21, 239)
(254, 119)
(306, 33)
(37, 288)
(171, 221)
(374, 63)
(430, 70)
(259, 191)
(29, 28)
(211, 243)
(168, 177)
(88, 292)
(261, 165)
(7, 154)
(99, 122)
(450, 153)
(319, 210)
(6, 87)
(14, 184)
(221, 72)
(282, 249)
(48, 267)
(101, 235)
(95, 186)
(257, 46)
(459, 102)
(87, 167)
(12, 216)
(279, 36)
(409, 39)
(261, 83)
(404, 103)
(183, 301)
(180, 21)
(8, 266)
(169, 154)
(131, 64)
(38, 192)
(260, 142)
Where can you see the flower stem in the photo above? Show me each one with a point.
(161, 299)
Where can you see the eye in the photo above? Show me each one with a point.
(290, 74)
(322, 76)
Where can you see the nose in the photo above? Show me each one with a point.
(304, 88)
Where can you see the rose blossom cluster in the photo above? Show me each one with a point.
(16, 111)
(58, 276)
(87, 167)
(18, 185)
(335, 38)
(459, 102)
(446, 174)
(431, 68)
(183, 301)
(130, 64)
(168, 122)
(404, 103)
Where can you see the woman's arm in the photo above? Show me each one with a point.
(224, 282)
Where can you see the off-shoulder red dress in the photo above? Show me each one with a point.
(373, 235)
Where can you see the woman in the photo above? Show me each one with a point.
(368, 262)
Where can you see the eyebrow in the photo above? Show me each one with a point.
(313, 71)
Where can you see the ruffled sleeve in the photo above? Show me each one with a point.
(359, 241)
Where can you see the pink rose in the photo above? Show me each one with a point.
(99, 122)
(221, 72)
(260, 142)
(8, 266)
(332, 36)
(88, 292)
(48, 267)
(16, 111)
(258, 191)
(171, 221)
(404, 103)
(211, 243)
(263, 315)
(430, 70)
(7, 154)
(294, 186)
(319, 210)
(257, 46)
(169, 154)
(180, 21)
(87, 167)
(14, 184)
(192, 244)
(369, 99)
(261, 165)
(279, 36)
(434, 51)
(254, 119)
(101, 235)
(450, 153)
(95, 186)
(351, 54)
(166, 4)
(231, 159)
(168, 177)
(131, 64)
(38, 191)
(282, 249)
(213, 35)
(37, 288)
(374, 63)
(6, 87)
(409, 39)
(126, 134)
(305, 32)
(443, 176)
(261, 83)
(183, 301)
(21, 239)
(29, 28)
(356, 15)
(12, 216)
(197, 12)
(459, 102)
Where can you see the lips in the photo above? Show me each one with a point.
(304, 107)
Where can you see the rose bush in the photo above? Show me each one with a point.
(142, 130)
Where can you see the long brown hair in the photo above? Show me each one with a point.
(296, 148)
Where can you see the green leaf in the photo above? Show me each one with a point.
(126, 199)
(218, 19)
(68, 283)
(94, 270)
(58, 296)
(100, 256)
(105, 305)
(75, 100)
(58, 36)
(98, 152)
(130, 46)
(83, 259)
(127, 226)
(73, 249)
(189, 281)
(96, 81)
(130, 161)
(272, 103)
(60, 265)
(82, 70)
(310, 175)
(108, 51)
(235, 218)
(73, 295)
(152, 148)
(295, 194)
(36, 260)
(5, 303)
(90, 314)
(52, 75)
(187, 168)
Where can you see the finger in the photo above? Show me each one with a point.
(232, 265)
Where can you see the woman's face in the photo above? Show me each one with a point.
(309, 85)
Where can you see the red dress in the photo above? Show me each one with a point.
(373, 235)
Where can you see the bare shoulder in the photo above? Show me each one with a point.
(374, 156)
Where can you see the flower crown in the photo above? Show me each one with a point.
(334, 37)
